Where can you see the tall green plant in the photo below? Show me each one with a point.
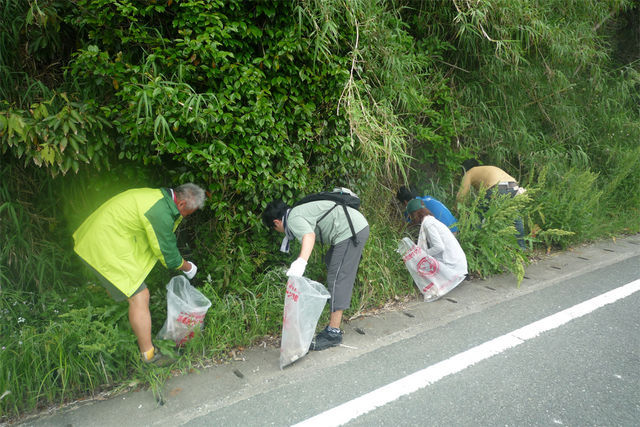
(35, 41)
(31, 258)
(489, 239)
(397, 105)
(577, 208)
(540, 90)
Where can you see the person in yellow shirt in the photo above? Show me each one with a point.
(122, 240)
(495, 180)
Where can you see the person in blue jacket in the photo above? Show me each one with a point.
(439, 210)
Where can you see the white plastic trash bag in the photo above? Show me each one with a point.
(433, 278)
(186, 309)
(303, 304)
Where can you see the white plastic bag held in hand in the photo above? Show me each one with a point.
(432, 278)
(303, 303)
(186, 309)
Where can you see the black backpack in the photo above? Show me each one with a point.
(342, 197)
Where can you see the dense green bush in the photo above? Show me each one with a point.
(258, 99)
(489, 238)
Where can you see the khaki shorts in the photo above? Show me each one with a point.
(115, 293)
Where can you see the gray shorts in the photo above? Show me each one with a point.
(115, 293)
(342, 262)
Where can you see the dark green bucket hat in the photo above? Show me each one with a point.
(414, 205)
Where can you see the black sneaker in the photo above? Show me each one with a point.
(325, 339)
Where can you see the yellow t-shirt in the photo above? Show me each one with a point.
(482, 176)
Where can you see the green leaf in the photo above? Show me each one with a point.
(16, 124)
(48, 154)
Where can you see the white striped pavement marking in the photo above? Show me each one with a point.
(354, 408)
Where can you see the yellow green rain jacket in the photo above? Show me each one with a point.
(125, 237)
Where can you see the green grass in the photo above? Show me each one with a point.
(73, 341)
(62, 337)
(54, 349)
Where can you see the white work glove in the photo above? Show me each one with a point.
(192, 272)
(297, 268)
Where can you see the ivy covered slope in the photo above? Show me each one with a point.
(253, 100)
(227, 94)
(263, 99)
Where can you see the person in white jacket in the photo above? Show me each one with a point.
(437, 241)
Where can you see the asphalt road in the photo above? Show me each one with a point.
(585, 371)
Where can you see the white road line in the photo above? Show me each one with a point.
(354, 408)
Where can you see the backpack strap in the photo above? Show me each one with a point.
(354, 237)
(353, 231)
(323, 217)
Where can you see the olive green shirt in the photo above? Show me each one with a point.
(333, 229)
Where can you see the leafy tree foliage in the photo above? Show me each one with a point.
(261, 99)
(251, 99)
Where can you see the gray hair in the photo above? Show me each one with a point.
(192, 194)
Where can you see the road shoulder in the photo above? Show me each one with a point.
(257, 370)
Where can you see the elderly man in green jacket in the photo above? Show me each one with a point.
(124, 238)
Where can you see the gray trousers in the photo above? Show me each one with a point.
(342, 260)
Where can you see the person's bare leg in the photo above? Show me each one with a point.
(335, 319)
(140, 319)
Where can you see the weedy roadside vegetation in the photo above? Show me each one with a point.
(256, 104)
